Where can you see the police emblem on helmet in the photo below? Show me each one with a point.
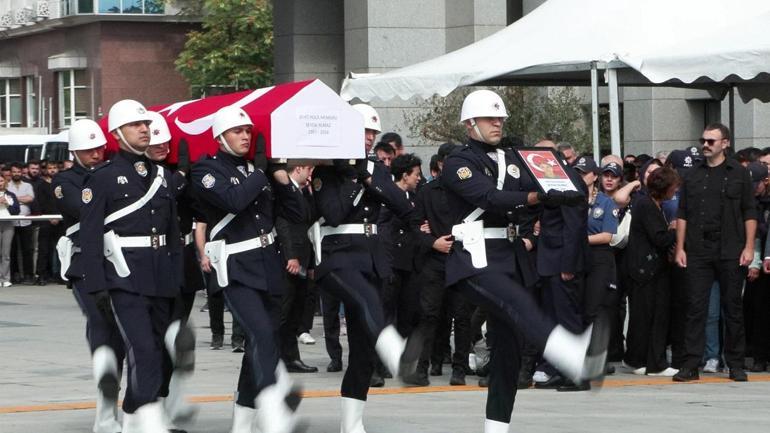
(92, 136)
(156, 132)
(374, 118)
(141, 110)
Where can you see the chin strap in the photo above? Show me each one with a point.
(130, 147)
(478, 132)
(228, 149)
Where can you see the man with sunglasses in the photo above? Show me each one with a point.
(716, 226)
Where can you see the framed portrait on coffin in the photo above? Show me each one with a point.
(546, 168)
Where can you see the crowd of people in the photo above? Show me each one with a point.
(413, 270)
(27, 248)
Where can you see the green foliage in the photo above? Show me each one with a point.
(234, 49)
(534, 112)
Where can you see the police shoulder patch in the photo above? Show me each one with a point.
(598, 212)
(317, 184)
(615, 213)
(464, 173)
(87, 195)
(208, 181)
(57, 192)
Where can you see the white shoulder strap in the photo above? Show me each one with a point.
(120, 213)
(501, 170)
(220, 225)
(72, 229)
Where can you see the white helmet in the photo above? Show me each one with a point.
(371, 118)
(229, 117)
(482, 103)
(159, 132)
(127, 111)
(85, 134)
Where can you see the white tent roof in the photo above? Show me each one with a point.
(699, 41)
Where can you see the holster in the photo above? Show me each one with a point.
(216, 251)
(64, 247)
(114, 253)
(315, 236)
(471, 234)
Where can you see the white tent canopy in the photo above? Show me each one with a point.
(694, 43)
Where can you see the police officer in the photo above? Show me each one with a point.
(237, 200)
(128, 217)
(87, 143)
(352, 266)
(179, 338)
(486, 186)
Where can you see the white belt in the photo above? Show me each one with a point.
(251, 244)
(350, 229)
(188, 238)
(154, 241)
(509, 233)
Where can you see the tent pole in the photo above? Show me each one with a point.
(595, 110)
(612, 81)
(731, 105)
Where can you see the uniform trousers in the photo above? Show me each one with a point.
(101, 330)
(678, 318)
(365, 320)
(258, 313)
(143, 321)
(601, 288)
(436, 300)
(562, 301)
(649, 308)
(513, 314)
(311, 306)
(701, 272)
(292, 308)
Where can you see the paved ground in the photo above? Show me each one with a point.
(46, 386)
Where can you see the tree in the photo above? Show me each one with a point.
(533, 113)
(234, 49)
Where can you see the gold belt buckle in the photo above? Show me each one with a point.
(368, 230)
(155, 241)
(264, 240)
(512, 231)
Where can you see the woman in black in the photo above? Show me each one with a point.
(647, 267)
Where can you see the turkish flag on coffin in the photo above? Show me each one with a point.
(302, 120)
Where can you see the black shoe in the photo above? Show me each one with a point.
(484, 382)
(41, 281)
(418, 378)
(217, 341)
(334, 366)
(237, 345)
(525, 380)
(738, 375)
(609, 369)
(28, 281)
(458, 377)
(376, 381)
(297, 366)
(554, 382)
(759, 367)
(435, 370)
(570, 386)
(686, 375)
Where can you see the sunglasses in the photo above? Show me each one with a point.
(710, 141)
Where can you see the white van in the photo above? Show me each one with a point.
(22, 148)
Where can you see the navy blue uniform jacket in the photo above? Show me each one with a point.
(111, 187)
(223, 185)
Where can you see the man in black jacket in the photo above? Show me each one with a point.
(716, 227)
(297, 253)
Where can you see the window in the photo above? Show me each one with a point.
(74, 96)
(10, 102)
(31, 92)
(131, 6)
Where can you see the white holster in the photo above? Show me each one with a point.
(314, 233)
(216, 251)
(64, 249)
(471, 234)
(114, 253)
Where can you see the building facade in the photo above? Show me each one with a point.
(329, 38)
(62, 60)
